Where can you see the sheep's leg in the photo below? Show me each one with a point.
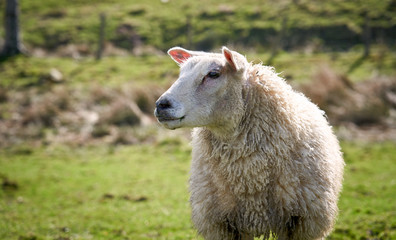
(235, 235)
(247, 237)
(222, 231)
(218, 232)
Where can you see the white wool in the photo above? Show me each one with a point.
(266, 160)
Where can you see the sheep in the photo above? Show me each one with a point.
(265, 161)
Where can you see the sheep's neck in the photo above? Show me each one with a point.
(235, 132)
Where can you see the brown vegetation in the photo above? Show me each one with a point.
(123, 115)
(80, 116)
(364, 110)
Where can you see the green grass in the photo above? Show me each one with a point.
(161, 70)
(301, 67)
(50, 23)
(111, 71)
(140, 192)
(137, 192)
(367, 204)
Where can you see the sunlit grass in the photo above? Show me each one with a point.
(161, 70)
(140, 192)
(110, 71)
(101, 193)
(367, 204)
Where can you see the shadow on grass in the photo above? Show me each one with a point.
(357, 63)
(272, 58)
(3, 58)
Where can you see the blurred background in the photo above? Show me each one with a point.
(81, 154)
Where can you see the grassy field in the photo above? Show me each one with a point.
(58, 191)
(140, 192)
(51, 23)
(161, 70)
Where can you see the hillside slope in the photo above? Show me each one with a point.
(207, 24)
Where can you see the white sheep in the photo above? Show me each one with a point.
(265, 160)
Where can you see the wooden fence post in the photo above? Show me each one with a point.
(101, 36)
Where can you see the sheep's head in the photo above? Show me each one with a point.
(207, 92)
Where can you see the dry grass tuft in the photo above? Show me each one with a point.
(76, 116)
(119, 113)
(3, 95)
(124, 115)
(370, 104)
(143, 99)
(327, 87)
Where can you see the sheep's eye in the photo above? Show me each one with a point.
(213, 74)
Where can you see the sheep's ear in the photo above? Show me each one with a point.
(179, 55)
(236, 60)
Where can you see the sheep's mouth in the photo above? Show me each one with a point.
(169, 119)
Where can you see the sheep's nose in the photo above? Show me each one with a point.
(163, 104)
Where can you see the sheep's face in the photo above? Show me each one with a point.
(204, 93)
